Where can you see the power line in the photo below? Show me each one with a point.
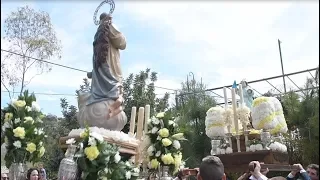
(44, 61)
(68, 67)
(62, 94)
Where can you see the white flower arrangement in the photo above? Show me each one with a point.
(228, 116)
(267, 114)
(224, 148)
(215, 123)
(277, 146)
(98, 159)
(243, 114)
(254, 145)
(117, 136)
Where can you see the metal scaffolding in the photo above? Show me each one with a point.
(315, 77)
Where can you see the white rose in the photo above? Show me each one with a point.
(117, 157)
(150, 150)
(70, 141)
(252, 148)
(176, 144)
(28, 108)
(158, 154)
(154, 130)
(17, 144)
(106, 170)
(17, 120)
(5, 126)
(128, 175)
(155, 121)
(35, 106)
(259, 147)
(170, 122)
(97, 136)
(229, 150)
(92, 141)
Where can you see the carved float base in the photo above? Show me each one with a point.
(239, 161)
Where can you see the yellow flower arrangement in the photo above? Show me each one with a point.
(164, 148)
(23, 133)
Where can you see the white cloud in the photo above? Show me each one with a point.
(236, 40)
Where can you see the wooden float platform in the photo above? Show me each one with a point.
(239, 161)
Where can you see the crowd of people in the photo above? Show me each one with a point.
(212, 168)
(32, 174)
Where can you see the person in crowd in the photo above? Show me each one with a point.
(248, 175)
(312, 172)
(211, 168)
(4, 176)
(33, 174)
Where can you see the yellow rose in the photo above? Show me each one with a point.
(160, 115)
(42, 150)
(154, 164)
(28, 119)
(91, 152)
(19, 132)
(164, 132)
(8, 117)
(31, 147)
(166, 142)
(19, 103)
(167, 159)
(178, 136)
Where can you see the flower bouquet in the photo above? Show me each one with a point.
(98, 159)
(23, 133)
(165, 148)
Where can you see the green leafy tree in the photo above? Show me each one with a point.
(29, 33)
(191, 112)
(139, 90)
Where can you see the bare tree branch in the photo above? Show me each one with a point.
(6, 88)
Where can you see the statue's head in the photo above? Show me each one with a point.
(105, 17)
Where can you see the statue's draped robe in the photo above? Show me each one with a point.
(107, 78)
(248, 96)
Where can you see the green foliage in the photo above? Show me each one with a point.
(29, 33)
(302, 114)
(139, 90)
(23, 133)
(191, 112)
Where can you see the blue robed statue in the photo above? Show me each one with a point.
(102, 106)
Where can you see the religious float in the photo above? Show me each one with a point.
(248, 130)
(99, 150)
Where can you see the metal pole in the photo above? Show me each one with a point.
(284, 80)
